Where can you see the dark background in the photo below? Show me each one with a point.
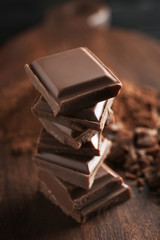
(17, 15)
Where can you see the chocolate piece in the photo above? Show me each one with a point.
(48, 143)
(77, 170)
(107, 190)
(67, 135)
(74, 197)
(120, 195)
(93, 117)
(145, 137)
(84, 80)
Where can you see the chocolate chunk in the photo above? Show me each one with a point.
(80, 204)
(153, 151)
(130, 175)
(152, 173)
(48, 143)
(77, 170)
(67, 135)
(74, 197)
(84, 80)
(93, 117)
(145, 137)
(116, 133)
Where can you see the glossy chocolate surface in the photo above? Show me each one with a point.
(70, 72)
(73, 80)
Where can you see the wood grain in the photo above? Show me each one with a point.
(25, 213)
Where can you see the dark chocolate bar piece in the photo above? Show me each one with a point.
(74, 197)
(77, 170)
(93, 117)
(48, 143)
(107, 190)
(67, 135)
(72, 80)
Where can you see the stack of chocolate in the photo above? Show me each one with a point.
(77, 92)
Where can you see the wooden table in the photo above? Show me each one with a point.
(25, 213)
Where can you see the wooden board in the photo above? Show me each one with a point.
(25, 213)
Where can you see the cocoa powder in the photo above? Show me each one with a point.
(137, 106)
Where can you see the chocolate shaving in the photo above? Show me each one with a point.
(141, 158)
